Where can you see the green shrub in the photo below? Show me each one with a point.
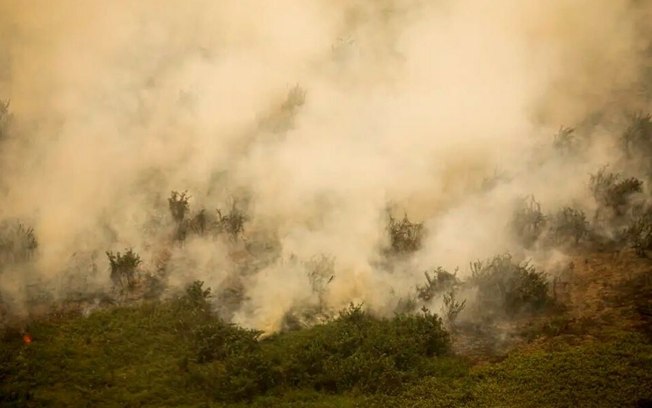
(359, 351)
(196, 296)
(218, 340)
(191, 310)
(355, 351)
(123, 267)
(243, 376)
(506, 287)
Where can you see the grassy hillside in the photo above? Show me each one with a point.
(176, 353)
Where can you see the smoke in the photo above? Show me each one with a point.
(319, 114)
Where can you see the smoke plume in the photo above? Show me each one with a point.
(315, 117)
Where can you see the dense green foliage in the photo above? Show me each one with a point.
(616, 372)
(156, 352)
(176, 354)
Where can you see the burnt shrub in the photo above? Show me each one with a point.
(231, 222)
(568, 225)
(452, 307)
(179, 208)
(528, 222)
(437, 282)
(200, 223)
(566, 141)
(17, 242)
(508, 288)
(404, 236)
(4, 119)
(612, 193)
(639, 233)
(178, 205)
(637, 141)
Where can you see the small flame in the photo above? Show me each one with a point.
(27, 339)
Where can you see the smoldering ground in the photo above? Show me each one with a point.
(318, 115)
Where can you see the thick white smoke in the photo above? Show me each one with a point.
(320, 112)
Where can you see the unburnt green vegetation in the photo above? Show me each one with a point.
(178, 353)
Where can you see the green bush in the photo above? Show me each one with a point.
(123, 268)
(218, 340)
(196, 296)
(243, 377)
(355, 351)
(506, 287)
(359, 351)
(200, 223)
